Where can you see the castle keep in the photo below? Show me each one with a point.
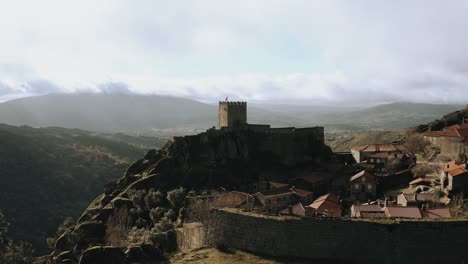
(238, 140)
(232, 113)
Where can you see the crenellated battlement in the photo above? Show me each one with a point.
(231, 103)
(232, 113)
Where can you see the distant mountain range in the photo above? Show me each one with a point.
(151, 114)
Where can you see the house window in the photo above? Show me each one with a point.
(356, 186)
(378, 161)
(369, 186)
(372, 160)
(363, 188)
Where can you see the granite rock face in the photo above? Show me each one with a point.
(216, 158)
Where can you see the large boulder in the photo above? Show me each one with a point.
(103, 254)
(81, 236)
(143, 252)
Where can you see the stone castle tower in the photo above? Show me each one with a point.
(232, 113)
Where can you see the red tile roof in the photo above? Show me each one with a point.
(327, 205)
(458, 132)
(458, 171)
(367, 210)
(418, 197)
(402, 211)
(437, 213)
(372, 214)
(424, 181)
(457, 126)
(301, 192)
(278, 184)
(361, 174)
(451, 165)
(379, 147)
(297, 209)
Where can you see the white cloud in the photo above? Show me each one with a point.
(266, 50)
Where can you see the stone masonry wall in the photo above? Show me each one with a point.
(342, 240)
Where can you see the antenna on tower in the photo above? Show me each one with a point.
(226, 99)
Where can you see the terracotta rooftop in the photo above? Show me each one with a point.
(437, 213)
(278, 184)
(457, 132)
(301, 192)
(457, 126)
(424, 181)
(379, 147)
(297, 209)
(451, 165)
(418, 197)
(360, 174)
(324, 200)
(372, 214)
(367, 210)
(458, 171)
(403, 212)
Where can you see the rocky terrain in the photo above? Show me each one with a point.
(134, 219)
(49, 174)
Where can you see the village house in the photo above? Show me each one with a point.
(326, 205)
(316, 182)
(375, 210)
(414, 199)
(420, 181)
(363, 153)
(402, 212)
(385, 162)
(367, 211)
(277, 199)
(454, 177)
(452, 141)
(363, 186)
(297, 210)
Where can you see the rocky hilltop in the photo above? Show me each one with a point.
(134, 219)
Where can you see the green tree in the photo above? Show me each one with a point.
(11, 252)
(67, 223)
(176, 198)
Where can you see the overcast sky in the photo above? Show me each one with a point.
(350, 52)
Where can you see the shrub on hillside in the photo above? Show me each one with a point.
(67, 223)
(416, 144)
(154, 198)
(176, 198)
(421, 170)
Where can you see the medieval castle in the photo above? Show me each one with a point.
(236, 139)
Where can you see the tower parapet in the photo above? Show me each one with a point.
(232, 113)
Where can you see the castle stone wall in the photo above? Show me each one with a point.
(342, 240)
(232, 114)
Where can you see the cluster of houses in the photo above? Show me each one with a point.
(380, 167)
(452, 141)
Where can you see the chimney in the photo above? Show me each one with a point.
(386, 202)
(414, 196)
(290, 210)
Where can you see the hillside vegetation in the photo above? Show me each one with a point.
(344, 141)
(48, 174)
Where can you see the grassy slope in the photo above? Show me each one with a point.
(49, 173)
(344, 141)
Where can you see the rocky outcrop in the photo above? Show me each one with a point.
(228, 159)
(103, 254)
